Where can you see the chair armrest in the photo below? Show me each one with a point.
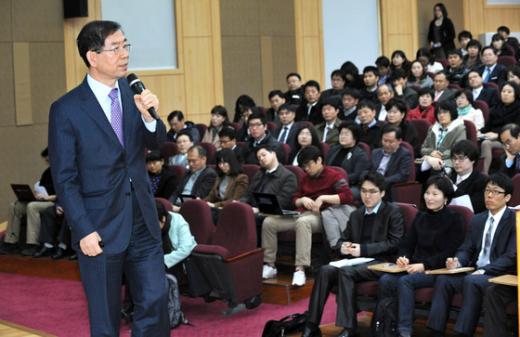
(244, 255)
(211, 249)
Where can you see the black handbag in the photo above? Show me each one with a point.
(285, 326)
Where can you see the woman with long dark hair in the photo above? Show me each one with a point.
(305, 136)
(441, 32)
(219, 120)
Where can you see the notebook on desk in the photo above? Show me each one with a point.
(23, 192)
(268, 204)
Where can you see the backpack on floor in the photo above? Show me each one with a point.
(175, 315)
(384, 321)
(285, 326)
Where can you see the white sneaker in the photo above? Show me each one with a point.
(268, 272)
(298, 278)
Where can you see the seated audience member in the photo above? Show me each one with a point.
(228, 140)
(496, 302)
(374, 230)
(472, 59)
(309, 110)
(54, 234)
(273, 178)
(392, 160)
(383, 67)
(231, 183)
(276, 100)
(435, 234)
(441, 91)
(491, 70)
(399, 61)
(447, 131)
(305, 137)
(428, 61)
(45, 197)
(513, 74)
(510, 40)
(479, 92)
(467, 182)
(505, 112)
(401, 89)
(286, 131)
(184, 143)
(501, 47)
(465, 109)
(178, 125)
(337, 80)
(350, 99)
(199, 179)
(396, 116)
(243, 132)
(328, 130)
(219, 120)
(456, 70)
(242, 104)
(162, 180)
(370, 127)
(352, 77)
(464, 37)
(425, 109)
(321, 187)
(385, 93)
(259, 135)
(490, 247)
(294, 94)
(370, 79)
(418, 76)
(348, 155)
(510, 138)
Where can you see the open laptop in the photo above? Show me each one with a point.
(185, 197)
(23, 192)
(268, 203)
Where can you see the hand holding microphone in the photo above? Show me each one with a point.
(146, 102)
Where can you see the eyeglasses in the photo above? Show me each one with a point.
(493, 193)
(372, 191)
(116, 50)
(458, 158)
(255, 125)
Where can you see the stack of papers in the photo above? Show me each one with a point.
(351, 262)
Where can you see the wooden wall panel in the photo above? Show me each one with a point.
(170, 89)
(7, 112)
(22, 83)
(199, 22)
(399, 26)
(6, 31)
(480, 18)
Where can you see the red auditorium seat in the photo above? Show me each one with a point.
(484, 107)
(168, 149)
(211, 152)
(197, 214)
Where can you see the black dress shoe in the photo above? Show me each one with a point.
(311, 332)
(43, 251)
(346, 333)
(30, 250)
(58, 254)
(8, 248)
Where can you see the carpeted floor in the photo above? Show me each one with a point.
(58, 307)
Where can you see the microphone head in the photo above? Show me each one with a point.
(135, 83)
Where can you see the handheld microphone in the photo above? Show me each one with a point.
(137, 87)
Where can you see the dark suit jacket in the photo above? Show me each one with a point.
(498, 75)
(473, 186)
(291, 138)
(250, 151)
(503, 248)
(387, 232)
(93, 174)
(371, 136)
(167, 184)
(355, 162)
(446, 95)
(235, 189)
(510, 171)
(398, 168)
(490, 96)
(332, 135)
(201, 187)
(314, 117)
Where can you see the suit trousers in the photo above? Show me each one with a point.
(304, 225)
(472, 287)
(496, 301)
(54, 228)
(143, 265)
(17, 210)
(345, 279)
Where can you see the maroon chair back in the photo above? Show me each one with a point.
(178, 171)
(506, 60)
(471, 131)
(515, 198)
(166, 204)
(454, 86)
(421, 126)
(236, 126)
(197, 214)
(298, 172)
(201, 128)
(491, 85)
(366, 148)
(168, 149)
(236, 236)
(409, 212)
(211, 152)
(271, 126)
(250, 170)
(341, 170)
(324, 148)
(482, 106)
(286, 149)
(466, 213)
(409, 147)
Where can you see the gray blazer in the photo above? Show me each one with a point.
(456, 132)
(398, 168)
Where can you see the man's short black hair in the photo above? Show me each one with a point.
(399, 104)
(375, 178)
(257, 115)
(293, 74)
(441, 73)
(228, 132)
(309, 153)
(474, 43)
(273, 93)
(383, 61)
(513, 128)
(351, 92)
(366, 104)
(311, 83)
(288, 107)
(464, 34)
(476, 71)
(501, 180)
(454, 52)
(398, 74)
(332, 101)
(442, 183)
(267, 147)
(387, 128)
(504, 29)
(371, 69)
(488, 48)
(337, 72)
(93, 35)
(466, 148)
(175, 113)
(154, 155)
(185, 133)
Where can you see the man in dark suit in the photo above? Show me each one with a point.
(178, 125)
(492, 71)
(259, 135)
(488, 95)
(276, 100)
(370, 127)
(163, 181)
(392, 160)
(349, 99)
(510, 138)
(490, 247)
(310, 110)
(441, 91)
(328, 130)
(285, 133)
(198, 181)
(370, 80)
(374, 230)
(512, 41)
(98, 133)
(228, 140)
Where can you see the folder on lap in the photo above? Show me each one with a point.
(508, 280)
(445, 271)
(386, 267)
(351, 262)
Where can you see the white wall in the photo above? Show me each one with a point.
(350, 33)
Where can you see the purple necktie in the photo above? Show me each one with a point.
(116, 115)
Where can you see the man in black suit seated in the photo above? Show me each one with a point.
(276, 100)
(162, 180)
(349, 99)
(285, 133)
(337, 81)
(54, 234)
(370, 127)
(259, 135)
(310, 108)
(467, 181)
(294, 94)
(385, 92)
(392, 160)
(490, 247)
(488, 95)
(492, 71)
(399, 80)
(510, 138)
(370, 80)
(441, 90)
(328, 130)
(177, 124)
(198, 181)
(374, 230)
(228, 140)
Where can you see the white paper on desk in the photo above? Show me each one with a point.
(351, 262)
(39, 189)
(463, 200)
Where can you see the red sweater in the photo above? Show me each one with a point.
(428, 114)
(328, 182)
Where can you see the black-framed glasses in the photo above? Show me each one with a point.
(494, 193)
(116, 50)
